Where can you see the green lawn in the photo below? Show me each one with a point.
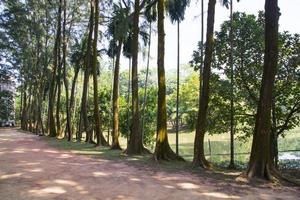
(220, 144)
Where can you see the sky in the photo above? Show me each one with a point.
(191, 28)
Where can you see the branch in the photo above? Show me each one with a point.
(294, 110)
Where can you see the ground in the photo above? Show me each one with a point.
(31, 168)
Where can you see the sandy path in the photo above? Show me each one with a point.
(31, 169)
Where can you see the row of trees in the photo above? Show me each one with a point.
(52, 43)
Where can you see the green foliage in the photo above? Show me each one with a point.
(248, 51)
(6, 105)
(176, 9)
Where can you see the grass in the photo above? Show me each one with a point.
(220, 144)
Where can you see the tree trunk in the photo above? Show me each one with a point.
(69, 129)
(163, 150)
(100, 139)
(274, 137)
(177, 92)
(86, 80)
(135, 144)
(201, 49)
(128, 100)
(146, 83)
(51, 120)
(199, 157)
(115, 132)
(24, 105)
(57, 113)
(231, 164)
(260, 165)
(72, 97)
(58, 84)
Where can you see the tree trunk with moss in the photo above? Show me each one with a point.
(260, 165)
(199, 157)
(163, 150)
(115, 132)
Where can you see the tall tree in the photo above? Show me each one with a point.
(229, 3)
(151, 16)
(176, 10)
(87, 70)
(68, 126)
(118, 29)
(260, 165)
(100, 139)
(56, 62)
(199, 157)
(163, 150)
(135, 144)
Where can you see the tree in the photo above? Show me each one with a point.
(163, 150)
(118, 28)
(259, 164)
(56, 62)
(68, 126)
(135, 144)
(150, 15)
(98, 130)
(229, 3)
(199, 157)
(84, 104)
(176, 10)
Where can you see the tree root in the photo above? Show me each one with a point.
(279, 176)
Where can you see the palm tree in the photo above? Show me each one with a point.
(176, 10)
(199, 157)
(163, 150)
(135, 143)
(118, 29)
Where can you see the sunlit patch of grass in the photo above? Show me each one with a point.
(219, 144)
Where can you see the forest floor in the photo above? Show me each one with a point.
(33, 167)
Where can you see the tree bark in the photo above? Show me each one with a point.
(100, 139)
(69, 129)
(115, 132)
(86, 80)
(72, 97)
(231, 164)
(24, 103)
(199, 157)
(163, 150)
(51, 120)
(177, 92)
(260, 165)
(146, 83)
(58, 82)
(135, 144)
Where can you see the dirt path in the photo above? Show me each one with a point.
(31, 169)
